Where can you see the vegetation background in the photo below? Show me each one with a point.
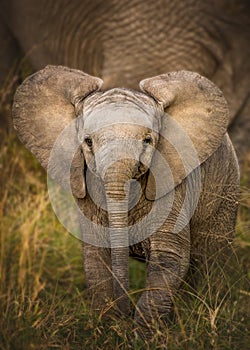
(43, 297)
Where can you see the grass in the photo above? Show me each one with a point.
(43, 298)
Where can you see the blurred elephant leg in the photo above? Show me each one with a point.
(168, 265)
(97, 266)
(10, 56)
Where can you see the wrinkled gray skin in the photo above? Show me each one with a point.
(52, 98)
(124, 42)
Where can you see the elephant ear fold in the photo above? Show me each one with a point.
(193, 126)
(44, 116)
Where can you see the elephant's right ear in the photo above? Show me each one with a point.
(192, 128)
(44, 111)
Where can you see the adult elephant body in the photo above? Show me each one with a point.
(125, 42)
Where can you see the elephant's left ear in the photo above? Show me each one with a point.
(44, 112)
(193, 126)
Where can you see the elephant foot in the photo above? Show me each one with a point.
(151, 316)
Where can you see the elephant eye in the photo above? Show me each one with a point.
(148, 140)
(88, 141)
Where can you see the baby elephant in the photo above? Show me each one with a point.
(153, 174)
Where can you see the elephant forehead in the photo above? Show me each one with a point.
(122, 131)
(111, 115)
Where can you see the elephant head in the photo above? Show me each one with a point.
(120, 136)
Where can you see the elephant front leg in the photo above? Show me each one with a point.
(167, 266)
(97, 266)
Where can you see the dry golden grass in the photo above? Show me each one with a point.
(43, 299)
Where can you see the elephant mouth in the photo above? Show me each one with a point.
(141, 170)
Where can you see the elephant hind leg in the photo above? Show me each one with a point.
(213, 249)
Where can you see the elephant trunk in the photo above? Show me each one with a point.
(117, 192)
